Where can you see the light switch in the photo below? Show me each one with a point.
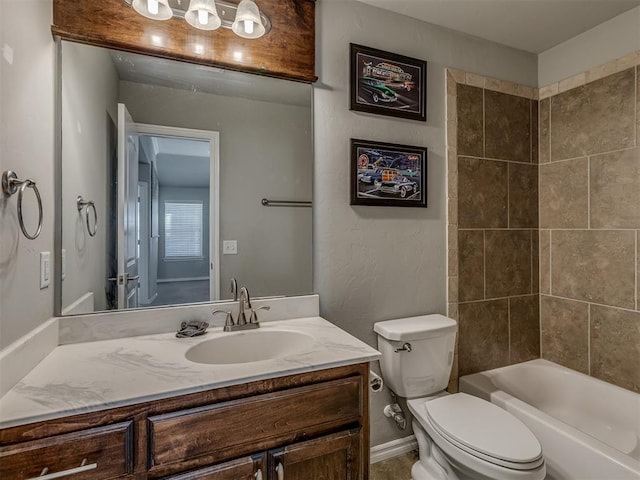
(229, 247)
(45, 269)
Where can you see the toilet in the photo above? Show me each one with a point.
(459, 436)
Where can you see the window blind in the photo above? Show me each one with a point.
(183, 229)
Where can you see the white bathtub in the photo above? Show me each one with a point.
(588, 429)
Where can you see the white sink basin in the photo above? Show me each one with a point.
(251, 346)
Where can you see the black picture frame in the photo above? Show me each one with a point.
(386, 83)
(388, 174)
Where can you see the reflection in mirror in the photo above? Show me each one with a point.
(176, 159)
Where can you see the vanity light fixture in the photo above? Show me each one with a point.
(244, 19)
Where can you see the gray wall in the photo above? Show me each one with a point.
(26, 146)
(264, 152)
(89, 95)
(174, 269)
(616, 38)
(379, 263)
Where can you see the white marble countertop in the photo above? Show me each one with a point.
(92, 376)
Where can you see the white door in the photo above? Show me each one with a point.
(127, 210)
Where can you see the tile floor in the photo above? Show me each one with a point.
(396, 468)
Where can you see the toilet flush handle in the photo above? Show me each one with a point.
(405, 348)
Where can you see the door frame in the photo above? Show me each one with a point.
(213, 138)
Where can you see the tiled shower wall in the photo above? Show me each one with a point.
(493, 216)
(590, 226)
(587, 203)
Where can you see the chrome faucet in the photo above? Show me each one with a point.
(243, 299)
(246, 320)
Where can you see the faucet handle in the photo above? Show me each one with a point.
(254, 314)
(228, 322)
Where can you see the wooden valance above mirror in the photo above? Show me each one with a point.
(287, 51)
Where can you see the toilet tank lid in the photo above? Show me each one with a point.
(415, 328)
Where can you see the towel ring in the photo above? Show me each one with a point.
(10, 184)
(90, 204)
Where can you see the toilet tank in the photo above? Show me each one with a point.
(426, 368)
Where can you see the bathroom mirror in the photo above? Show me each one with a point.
(177, 178)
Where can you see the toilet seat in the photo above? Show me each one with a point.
(463, 423)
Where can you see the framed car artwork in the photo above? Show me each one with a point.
(388, 174)
(388, 84)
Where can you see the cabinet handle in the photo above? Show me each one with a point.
(258, 475)
(280, 471)
(64, 473)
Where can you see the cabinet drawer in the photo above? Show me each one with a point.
(225, 430)
(98, 454)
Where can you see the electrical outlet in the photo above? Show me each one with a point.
(229, 247)
(45, 269)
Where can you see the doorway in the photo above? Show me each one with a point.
(178, 209)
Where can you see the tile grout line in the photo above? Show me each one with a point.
(589, 302)
(484, 264)
(589, 338)
(522, 295)
(589, 193)
(608, 152)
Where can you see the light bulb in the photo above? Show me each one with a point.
(203, 17)
(152, 6)
(248, 26)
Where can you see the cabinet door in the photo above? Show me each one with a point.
(332, 457)
(246, 468)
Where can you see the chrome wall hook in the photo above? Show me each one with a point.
(10, 185)
(88, 204)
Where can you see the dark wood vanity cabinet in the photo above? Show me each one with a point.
(310, 425)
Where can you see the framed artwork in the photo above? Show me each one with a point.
(388, 174)
(388, 84)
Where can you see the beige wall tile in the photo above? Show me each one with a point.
(484, 336)
(452, 311)
(482, 193)
(571, 82)
(452, 289)
(544, 139)
(458, 75)
(594, 266)
(564, 194)
(470, 121)
(452, 233)
(501, 86)
(475, 80)
(595, 118)
(548, 91)
(638, 106)
(545, 261)
(471, 265)
(523, 195)
(564, 328)
(615, 189)
(508, 263)
(452, 210)
(615, 346)
(507, 127)
(524, 328)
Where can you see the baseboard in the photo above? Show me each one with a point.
(393, 448)
(186, 279)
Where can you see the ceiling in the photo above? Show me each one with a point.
(181, 162)
(199, 78)
(530, 25)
